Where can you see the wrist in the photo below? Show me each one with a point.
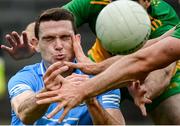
(101, 66)
(91, 101)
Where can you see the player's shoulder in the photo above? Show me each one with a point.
(178, 26)
(25, 79)
(160, 4)
(112, 94)
(26, 73)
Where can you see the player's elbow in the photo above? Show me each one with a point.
(25, 118)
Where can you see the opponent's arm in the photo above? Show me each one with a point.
(155, 40)
(96, 68)
(157, 81)
(101, 116)
(135, 66)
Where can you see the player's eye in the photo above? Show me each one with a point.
(66, 37)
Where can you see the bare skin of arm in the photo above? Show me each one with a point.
(26, 108)
(157, 81)
(137, 65)
(129, 68)
(101, 116)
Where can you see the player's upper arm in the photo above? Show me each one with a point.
(111, 99)
(21, 87)
(20, 99)
(117, 115)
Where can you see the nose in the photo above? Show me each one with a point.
(58, 44)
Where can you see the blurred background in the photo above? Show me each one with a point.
(15, 15)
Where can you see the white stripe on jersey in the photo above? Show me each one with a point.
(111, 99)
(113, 102)
(111, 96)
(19, 87)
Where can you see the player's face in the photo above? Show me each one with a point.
(144, 3)
(55, 41)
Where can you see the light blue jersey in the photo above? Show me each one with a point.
(30, 78)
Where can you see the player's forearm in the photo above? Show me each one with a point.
(113, 77)
(134, 66)
(157, 81)
(29, 111)
(108, 62)
(155, 40)
(99, 115)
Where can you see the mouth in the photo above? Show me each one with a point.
(59, 56)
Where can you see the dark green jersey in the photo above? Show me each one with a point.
(163, 18)
(86, 11)
(162, 15)
(176, 33)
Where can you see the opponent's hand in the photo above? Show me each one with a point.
(83, 62)
(79, 54)
(88, 68)
(20, 47)
(139, 93)
(65, 95)
(52, 78)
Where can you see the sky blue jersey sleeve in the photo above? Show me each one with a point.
(110, 99)
(20, 82)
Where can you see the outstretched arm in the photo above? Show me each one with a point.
(90, 67)
(136, 66)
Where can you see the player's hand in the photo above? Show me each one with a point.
(65, 95)
(20, 47)
(52, 78)
(83, 62)
(88, 68)
(79, 54)
(139, 93)
(68, 96)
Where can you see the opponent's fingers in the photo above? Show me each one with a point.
(6, 48)
(16, 37)
(137, 84)
(54, 74)
(47, 94)
(25, 38)
(57, 109)
(74, 65)
(48, 100)
(65, 112)
(78, 49)
(143, 109)
(147, 100)
(143, 92)
(10, 40)
(52, 68)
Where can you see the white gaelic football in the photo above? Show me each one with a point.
(123, 27)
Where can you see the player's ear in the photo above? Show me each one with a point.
(35, 44)
(78, 37)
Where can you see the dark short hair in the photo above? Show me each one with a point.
(54, 14)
